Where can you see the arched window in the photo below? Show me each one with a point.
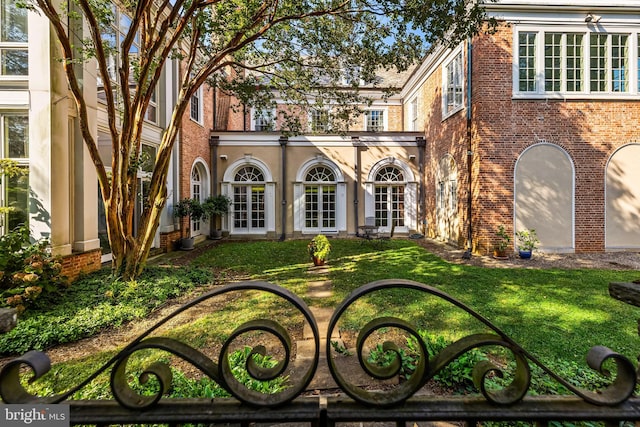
(389, 197)
(320, 199)
(196, 193)
(447, 199)
(249, 199)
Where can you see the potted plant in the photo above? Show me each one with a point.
(527, 242)
(215, 207)
(193, 210)
(319, 249)
(500, 248)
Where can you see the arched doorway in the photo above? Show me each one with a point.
(390, 195)
(319, 198)
(199, 186)
(249, 184)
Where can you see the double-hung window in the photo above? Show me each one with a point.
(196, 106)
(375, 121)
(453, 85)
(14, 62)
(319, 120)
(576, 63)
(262, 120)
(14, 187)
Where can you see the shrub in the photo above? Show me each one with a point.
(319, 247)
(28, 271)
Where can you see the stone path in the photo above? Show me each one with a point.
(321, 287)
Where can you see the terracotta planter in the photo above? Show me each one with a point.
(317, 261)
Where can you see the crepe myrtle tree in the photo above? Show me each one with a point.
(252, 49)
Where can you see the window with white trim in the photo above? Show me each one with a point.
(374, 121)
(113, 35)
(14, 189)
(389, 191)
(578, 62)
(14, 52)
(263, 120)
(453, 81)
(320, 199)
(413, 111)
(196, 106)
(319, 120)
(249, 211)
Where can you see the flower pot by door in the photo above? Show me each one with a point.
(187, 244)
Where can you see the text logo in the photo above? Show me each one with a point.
(34, 415)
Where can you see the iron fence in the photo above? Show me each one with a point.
(349, 402)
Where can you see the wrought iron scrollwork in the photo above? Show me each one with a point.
(427, 365)
(12, 391)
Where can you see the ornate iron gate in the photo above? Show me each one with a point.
(352, 403)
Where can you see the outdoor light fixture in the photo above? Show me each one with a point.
(223, 157)
(593, 19)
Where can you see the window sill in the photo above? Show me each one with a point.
(609, 96)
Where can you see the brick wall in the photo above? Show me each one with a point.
(75, 264)
(168, 241)
(589, 131)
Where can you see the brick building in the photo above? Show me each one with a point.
(530, 127)
(534, 127)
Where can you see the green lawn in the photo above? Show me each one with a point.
(556, 315)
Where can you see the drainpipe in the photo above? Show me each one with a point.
(422, 145)
(469, 151)
(356, 182)
(283, 149)
(214, 142)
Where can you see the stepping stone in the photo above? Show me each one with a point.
(320, 289)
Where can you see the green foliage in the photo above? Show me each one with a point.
(238, 361)
(408, 359)
(504, 237)
(96, 302)
(217, 205)
(319, 247)
(459, 373)
(527, 240)
(189, 208)
(29, 274)
(340, 348)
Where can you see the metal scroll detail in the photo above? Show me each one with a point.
(12, 391)
(428, 366)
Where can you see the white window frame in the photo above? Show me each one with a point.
(385, 119)
(14, 46)
(22, 162)
(311, 120)
(413, 114)
(453, 66)
(633, 60)
(197, 97)
(268, 114)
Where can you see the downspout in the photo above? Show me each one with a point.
(283, 149)
(422, 145)
(469, 150)
(214, 142)
(356, 181)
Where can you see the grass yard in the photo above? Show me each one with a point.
(556, 315)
